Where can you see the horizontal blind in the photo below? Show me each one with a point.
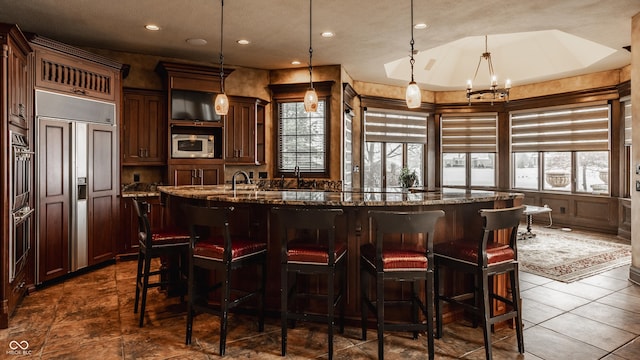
(575, 128)
(394, 126)
(474, 133)
(627, 121)
(301, 138)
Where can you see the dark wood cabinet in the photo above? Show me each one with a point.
(241, 129)
(65, 69)
(143, 128)
(16, 116)
(18, 89)
(129, 222)
(196, 174)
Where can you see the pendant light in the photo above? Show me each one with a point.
(413, 95)
(310, 97)
(221, 103)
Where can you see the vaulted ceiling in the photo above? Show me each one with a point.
(368, 34)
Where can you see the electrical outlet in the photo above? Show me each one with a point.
(638, 169)
(136, 177)
(637, 185)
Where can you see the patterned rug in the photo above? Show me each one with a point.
(568, 256)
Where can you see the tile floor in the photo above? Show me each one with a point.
(91, 316)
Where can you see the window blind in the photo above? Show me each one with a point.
(576, 128)
(394, 126)
(627, 121)
(301, 138)
(474, 133)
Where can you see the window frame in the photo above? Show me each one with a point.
(289, 93)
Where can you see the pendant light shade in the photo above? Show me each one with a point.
(310, 97)
(221, 104)
(310, 101)
(413, 95)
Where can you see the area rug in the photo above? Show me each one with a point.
(568, 256)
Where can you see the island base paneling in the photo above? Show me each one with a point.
(461, 223)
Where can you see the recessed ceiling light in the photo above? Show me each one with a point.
(295, 62)
(243, 42)
(328, 34)
(152, 27)
(197, 42)
(420, 26)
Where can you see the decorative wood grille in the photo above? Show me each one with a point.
(81, 80)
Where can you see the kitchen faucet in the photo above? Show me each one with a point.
(296, 172)
(233, 178)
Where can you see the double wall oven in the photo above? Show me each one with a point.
(21, 211)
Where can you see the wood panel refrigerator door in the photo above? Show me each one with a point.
(54, 199)
(102, 226)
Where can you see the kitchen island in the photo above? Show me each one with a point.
(252, 214)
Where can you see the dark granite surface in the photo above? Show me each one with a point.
(352, 197)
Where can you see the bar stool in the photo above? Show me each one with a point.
(484, 259)
(154, 245)
(213, 248)
(308, 246)
(400, 260)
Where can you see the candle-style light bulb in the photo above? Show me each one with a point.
(469, 85)
(507, 84)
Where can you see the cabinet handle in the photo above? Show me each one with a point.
(79, 91)
(140, 152)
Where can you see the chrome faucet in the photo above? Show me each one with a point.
(233, 178)
(296, 172)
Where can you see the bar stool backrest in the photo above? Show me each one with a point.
(200, 219)
(399, 222)
(144, 226)
(507, 219)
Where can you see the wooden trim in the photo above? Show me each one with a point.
(395, 104)
(73, 51)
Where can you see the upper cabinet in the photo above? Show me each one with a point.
(191, 90)
(244, 131)
(16, 52)
(144, 127)
(70, 70)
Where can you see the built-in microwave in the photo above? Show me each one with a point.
(192, 146)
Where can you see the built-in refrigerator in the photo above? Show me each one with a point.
(77, 179)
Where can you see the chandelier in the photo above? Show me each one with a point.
(413, 95)
(221, 103)
(493, 90)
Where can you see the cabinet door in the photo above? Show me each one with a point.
(18, 89)
(240, 131)
(195, 174)
(102, 222)
(143, 130)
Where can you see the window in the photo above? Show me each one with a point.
(629, 171)
(302, 138)
(393, 139)
(570, 144)
(469, 147)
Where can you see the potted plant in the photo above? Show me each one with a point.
(407, 178)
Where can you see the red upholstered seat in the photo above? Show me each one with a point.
(496, 252)
(214, 248)
(308, 252)
(396, 258)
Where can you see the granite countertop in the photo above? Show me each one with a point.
(351, 197)
(139, 190)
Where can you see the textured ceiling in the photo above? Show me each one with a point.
(369, 33)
